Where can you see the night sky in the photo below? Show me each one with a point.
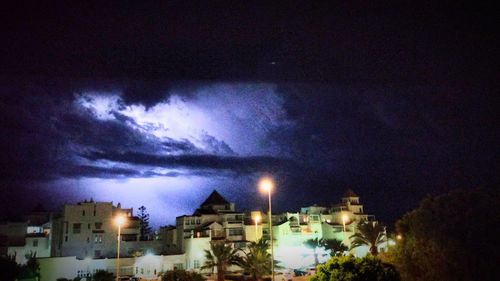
(158, 105)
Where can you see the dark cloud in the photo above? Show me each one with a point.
(99, 172)
(179, 146)
(146, 92)
(250, 164)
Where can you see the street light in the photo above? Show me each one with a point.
(257, 219)
(266, 185)
(119, 220)
(345, 218)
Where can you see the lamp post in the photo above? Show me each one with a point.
(345, 218)
(119, 220)
(266, 185)
(257, 219)
(386, 238)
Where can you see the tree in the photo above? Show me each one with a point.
(450, 237)
(31, 269)
(221, 255)
(256, 260)
(103, 275)
(370, 234)
(144, 223)
(314, 244)
(335, 246)
(349, 268)
(8, 269)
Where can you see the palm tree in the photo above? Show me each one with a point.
(257, 260)
(221, 255)
(335, 246)
(314, 244)
(370, 234)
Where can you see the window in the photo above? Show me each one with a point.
(88, 239)
(83, 212)
(235, 231)
(65, 238)
(88, 226)
(77, 228)
(178, 266)
(98, 238)
(196, 264)
(97, 253)
(35, 243)
(98, 225)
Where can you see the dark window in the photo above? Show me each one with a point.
(98, 225)
(236, 231)
(88, 239)
(77, 228)
(35, 243)
(88, 226)
(83, 213)
(66, 239)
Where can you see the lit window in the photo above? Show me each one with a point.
(98, 238)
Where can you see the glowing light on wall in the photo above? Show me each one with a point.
(299, 256)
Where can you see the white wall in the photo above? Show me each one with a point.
(42, 249)
(71, 267)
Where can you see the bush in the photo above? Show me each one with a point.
(181, 275)
(8, 269)
(30, 270)
(349, 268)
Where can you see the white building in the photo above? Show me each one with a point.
(217, 219)
(88, 229)
(32, 237)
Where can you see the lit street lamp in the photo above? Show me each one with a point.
(257, 219)
(345, 218)
(119, 220)
(266, 185)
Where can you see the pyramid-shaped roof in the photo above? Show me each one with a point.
(350, 193)
(215, 199)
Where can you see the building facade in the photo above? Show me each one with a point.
(217, 219)
(89, 229)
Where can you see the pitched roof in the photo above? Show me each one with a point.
(215, 199)
(200, 211)
(350, 193)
